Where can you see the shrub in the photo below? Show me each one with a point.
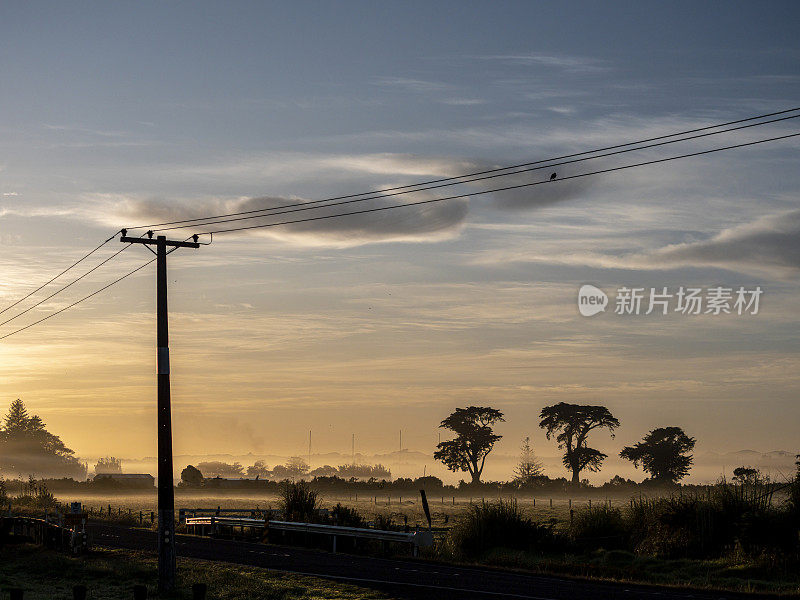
(729, 519)
(498, 524)
(599, 527)
(385, 523)
(346, 516)
(298, 501)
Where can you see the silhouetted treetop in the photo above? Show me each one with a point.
(664, 453)
(26, 447)
(474, 439)
(574, 422)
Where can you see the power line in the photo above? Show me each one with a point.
(429, 201)
(57, 292)
(102, 289)
(510, 187)
(477, 173)
(304, 206)
(73, 265)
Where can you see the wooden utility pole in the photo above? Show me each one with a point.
(166, 493)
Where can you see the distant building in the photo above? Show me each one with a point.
(126, 480)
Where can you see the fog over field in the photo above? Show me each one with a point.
(708, 467)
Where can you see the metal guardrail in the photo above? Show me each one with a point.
(272, 513)
(416, 539)
(51, 535)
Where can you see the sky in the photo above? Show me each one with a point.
(125, 114)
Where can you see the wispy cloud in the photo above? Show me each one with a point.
(768, 246)
(417, 86)
(555, 61)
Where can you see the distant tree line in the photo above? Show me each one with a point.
(295, 468)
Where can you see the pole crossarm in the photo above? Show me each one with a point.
(154, 241)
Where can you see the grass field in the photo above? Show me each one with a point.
(111, 574)
(443, 508)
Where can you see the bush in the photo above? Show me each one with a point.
(498, 524)
(385, 523)
(346, 516)
(729, 519)
(298, 501)
(599, 527)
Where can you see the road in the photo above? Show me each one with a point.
(401, 578)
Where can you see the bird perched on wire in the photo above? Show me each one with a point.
(553, 176)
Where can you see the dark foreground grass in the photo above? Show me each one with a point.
(111, 574)
(730, 574)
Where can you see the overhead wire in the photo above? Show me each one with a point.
(305, 206)
(383, 192)
(72, 266)
(62, 289)
(404, 205)
(102, 289)
(510, 187)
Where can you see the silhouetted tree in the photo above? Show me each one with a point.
(27, 447)
(191, 475)
(215, 468)
(745, 475)
(294, 468)
(324, 471)
(664, 453)
(258, 470)
(575, 422)
(474, 439)
(528, 468)
(108, 464)
(364, 471)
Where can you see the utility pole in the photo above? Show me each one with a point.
(166, 493)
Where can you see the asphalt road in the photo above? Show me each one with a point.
(401, 578)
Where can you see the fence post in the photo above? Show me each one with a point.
(570, 502)
(199, 591)
(551, 503)
(141, 517)
(590, 503)
(571, 515)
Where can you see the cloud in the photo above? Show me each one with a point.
(417, 86)
(427, 222)
(768, 246)
(463, 101)
(563, 62)
(431, 221)
(771, 243)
